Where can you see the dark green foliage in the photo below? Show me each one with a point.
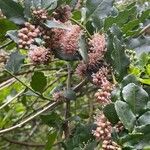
(38, 82)
(15, 62)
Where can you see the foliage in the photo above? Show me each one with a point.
(74, 74)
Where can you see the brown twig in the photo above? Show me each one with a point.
(67, 109)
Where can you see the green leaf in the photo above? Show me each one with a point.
(136, 97)
(129, 79)
(53, 24)
(97, 10)
(70, 94)
(144, 81)
(121, 19)
(110, 113)
(125, 115)
(39, 81)
(144, 119)
(140, 44)
(5, 25)
(51, 140)
(13, 35)
(13, 11)
(120, 60)
(131, 137)
(144, 142)
(83, 49)
(15, 61)
(51, 119)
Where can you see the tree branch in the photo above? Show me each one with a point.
(9, 101)
(23, 143)
(19, 125)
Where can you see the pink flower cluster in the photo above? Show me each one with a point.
(103, 95)
(40, 14)
(96, 54)
(100, 75)
(103, 133)
(66, 40)
(103, 130)
(110, 145)
(97, 49)
(39, 55)
(27, 34)
(62, 13)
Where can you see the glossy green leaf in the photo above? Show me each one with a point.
(13, 35)
(15, 61)
(136, 97)
(120, 60)
(53, 24)
(5, 25)
(13, 11)
(97, 10)
(121, 19)
(110, 113)
(125, 115)
(129, 79)
(39, 81)
(144, 119)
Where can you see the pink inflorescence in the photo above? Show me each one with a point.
(39, 55)
(97, 48)
(104, 128)
(103, 133)
(27, 34)
(40, 14)
(62, 13)
(103, 95)
(69, 41)
(110, 145)
(81, 69)
(66, 40)
(100, 75)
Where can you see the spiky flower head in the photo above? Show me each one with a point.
(62, 13)
(39, 55)
(81, 69)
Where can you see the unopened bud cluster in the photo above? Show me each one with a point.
(39, 55)
(103, 133)
(119, 127)
(132, 55)
(103, 95)
(40, 14)
(110, 145)
(27, 34)
(103, 130)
